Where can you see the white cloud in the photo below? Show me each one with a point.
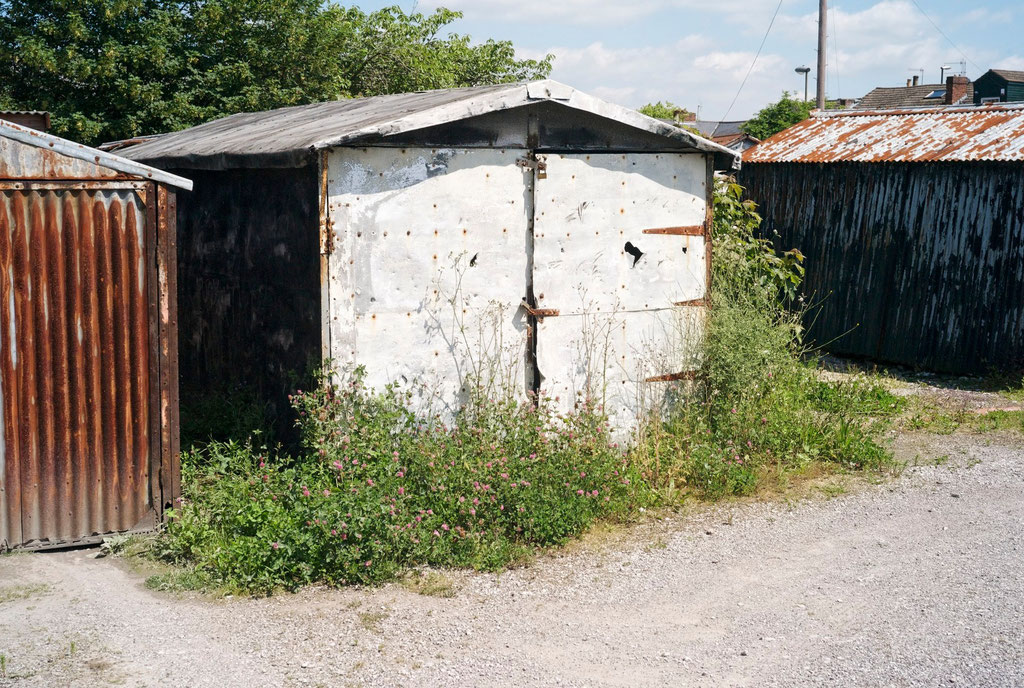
(691, 72)
(588, 12)
(1014, 62)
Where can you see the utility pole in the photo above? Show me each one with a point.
(822, 33)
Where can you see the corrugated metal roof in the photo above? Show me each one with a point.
(936, 134)
(71, 149)
(288, 135)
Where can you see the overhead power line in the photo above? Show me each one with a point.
(757, 55)
(943, 34)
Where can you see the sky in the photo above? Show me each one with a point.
(696, 53)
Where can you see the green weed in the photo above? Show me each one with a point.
(377, 490)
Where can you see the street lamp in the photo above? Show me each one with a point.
(942, 74)
(805, 71)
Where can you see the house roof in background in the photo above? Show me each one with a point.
(924, 135)
(1009, 74)
(38, 139)
(886, 97)
(287, 136)
(711, 128)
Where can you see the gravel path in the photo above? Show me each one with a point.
(919, 581)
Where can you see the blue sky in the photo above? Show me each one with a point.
(696, 52)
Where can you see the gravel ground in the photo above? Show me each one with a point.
(915, 582)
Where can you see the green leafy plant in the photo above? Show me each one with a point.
(775, 117)
(758, 408)
(376, 490)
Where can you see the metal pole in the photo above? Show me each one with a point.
(822, 32)
(807, 74)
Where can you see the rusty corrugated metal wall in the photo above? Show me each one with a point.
(86, 385)
(914, 263)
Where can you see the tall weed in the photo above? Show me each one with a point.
(758, 407)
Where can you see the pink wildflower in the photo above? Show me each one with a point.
(327, 493)
(276, 545)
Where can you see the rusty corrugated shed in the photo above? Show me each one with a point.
(87, 313)
(950, 134)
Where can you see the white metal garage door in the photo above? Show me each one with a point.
(438, 252)
(619, 253)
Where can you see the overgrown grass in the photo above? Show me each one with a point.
(759, 409)
(944, 422)
(375, 490)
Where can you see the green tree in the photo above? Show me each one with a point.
(110, 69)
(666, 110)
(777, 116)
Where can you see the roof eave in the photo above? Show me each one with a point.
(79, 151)
(518, 95)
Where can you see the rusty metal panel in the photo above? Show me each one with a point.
(27, 154)
(993, 133)
(429, 267)
(615, 283)
(913, 263)
(74, 364)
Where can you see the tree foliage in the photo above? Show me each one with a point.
(777, 116)
(110, 69)
(666, 110)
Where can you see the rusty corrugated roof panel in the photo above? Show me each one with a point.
(63, 158)
(914, 135)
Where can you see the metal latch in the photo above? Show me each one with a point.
(538, 163)
(539, 312)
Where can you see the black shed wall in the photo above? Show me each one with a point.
(914, 263)
(249, 285)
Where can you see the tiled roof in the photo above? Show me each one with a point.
(884, 97)
(1009, 74)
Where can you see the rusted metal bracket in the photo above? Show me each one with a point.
(674, 377)
(534, 163)
(326, 223)
(692, 302)
(539, 312)
(692, 230)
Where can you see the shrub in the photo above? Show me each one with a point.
(377, 489)
(758, 406)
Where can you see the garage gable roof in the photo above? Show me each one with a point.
(290, 134)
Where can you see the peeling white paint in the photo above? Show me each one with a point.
(416, 229)
(618, 324)
(433, 256)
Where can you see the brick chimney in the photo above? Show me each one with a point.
(687, 116)
(956, 88)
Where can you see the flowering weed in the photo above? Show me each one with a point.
(377, 490)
